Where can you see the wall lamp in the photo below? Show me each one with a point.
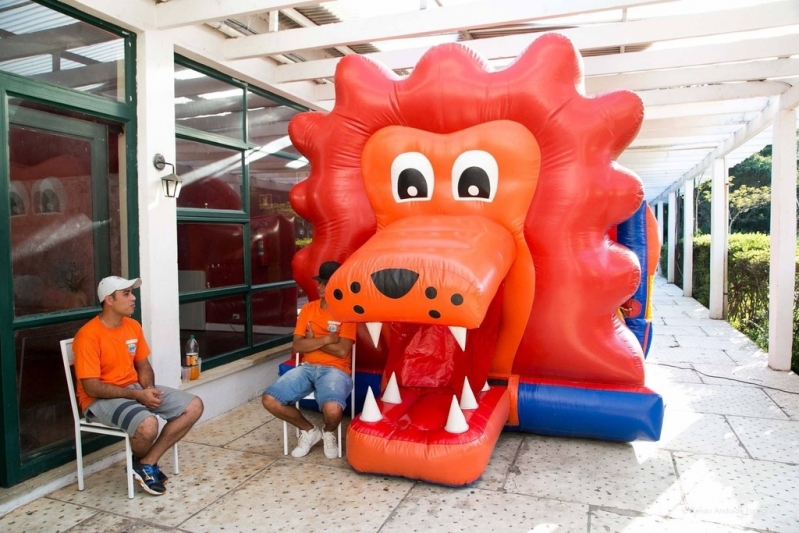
(170, 183)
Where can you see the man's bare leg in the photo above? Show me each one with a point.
(173, 431)
(332, 414)
(142, 440)
(289, 413)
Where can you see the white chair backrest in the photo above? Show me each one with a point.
(69, 359)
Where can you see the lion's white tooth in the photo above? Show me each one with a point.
(371, 412)
(468, 401)
(456, 422)
(392, 393)
(460, 335)
(374, 331)
(486, 387)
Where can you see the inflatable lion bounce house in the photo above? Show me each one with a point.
(498, 258)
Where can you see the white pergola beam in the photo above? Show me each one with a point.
(769, 15)
(710, 54)
(639, 81)
(417, 23)
(178, 13)
(752, 128)
(698, 121)
(722, 107)
(647, 133)
(712, 93)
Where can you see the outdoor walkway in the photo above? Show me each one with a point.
(728, 461)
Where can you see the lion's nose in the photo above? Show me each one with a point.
(394, 282)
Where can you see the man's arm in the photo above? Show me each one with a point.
(145, 372)
(331, 344)
(150, 398)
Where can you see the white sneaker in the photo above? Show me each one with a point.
(306, 442)
(331, 445)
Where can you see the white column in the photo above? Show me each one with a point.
(659, 218)
(672, 237)
(155, 85)
(783, 241)
(719, 217)
(688, 239)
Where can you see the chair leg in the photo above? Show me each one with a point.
(176, 470)
(339, 439)
(129, 464)
(79, 457)
(285, 438)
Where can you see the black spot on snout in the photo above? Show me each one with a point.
(394, 282)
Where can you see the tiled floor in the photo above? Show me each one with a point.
(728, 460)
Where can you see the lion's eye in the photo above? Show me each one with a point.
(412, 177)
(474, 176)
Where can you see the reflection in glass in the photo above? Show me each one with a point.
(211, 176)
(277, 232)
(70, 238)
(268, 123)
(218, 325)
(209, 256)
(45, 45)
(45, 417)
(207, 104)
(274, 314)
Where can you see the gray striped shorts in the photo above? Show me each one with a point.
(128, 414)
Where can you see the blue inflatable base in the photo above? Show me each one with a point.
(566, 411)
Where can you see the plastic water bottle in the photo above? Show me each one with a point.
(193, 357)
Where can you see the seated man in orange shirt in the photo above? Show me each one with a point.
(326, 371)
(116, 384)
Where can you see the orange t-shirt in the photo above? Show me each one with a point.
(108, 354)
(312, 312)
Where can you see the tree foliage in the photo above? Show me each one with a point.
(749, 196)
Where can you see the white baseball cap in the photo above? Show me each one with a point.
(111, 284)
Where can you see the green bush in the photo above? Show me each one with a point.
(748, 282)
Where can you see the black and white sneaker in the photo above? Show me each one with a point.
(146, 476)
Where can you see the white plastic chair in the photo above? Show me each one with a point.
(83, 425)
(312, 397)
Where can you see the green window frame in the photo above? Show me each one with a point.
(242, 217)
(13, 467)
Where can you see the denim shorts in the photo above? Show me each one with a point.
(327, 383)
(128, 414)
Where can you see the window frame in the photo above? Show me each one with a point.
(13, 467)
(242, 217)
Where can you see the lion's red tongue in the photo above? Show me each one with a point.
(429, 356)
(414, 438)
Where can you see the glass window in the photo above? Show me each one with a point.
(45, 415)
(268, 123)
(45, 45)
(211, 176)
(236, 229)
(65, 201)
(217, 324)
(276, 231)
(274, 314)
(208, 104)
(210, 256)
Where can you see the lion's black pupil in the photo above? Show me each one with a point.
(474, 183)
(411, 178)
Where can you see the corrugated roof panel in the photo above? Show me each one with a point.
(103, 52)
(32, 17)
